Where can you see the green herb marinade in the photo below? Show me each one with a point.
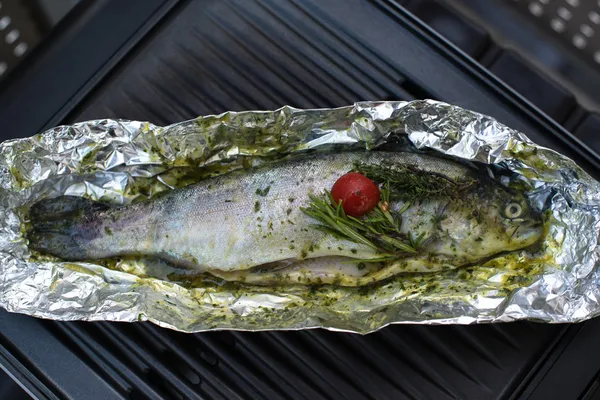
(314, 305)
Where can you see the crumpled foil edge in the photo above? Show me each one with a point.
(105, 159)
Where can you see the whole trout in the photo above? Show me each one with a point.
(249, 224)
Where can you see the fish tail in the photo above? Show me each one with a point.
(63, 206)
(65, 226)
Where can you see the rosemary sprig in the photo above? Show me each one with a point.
(379, 229)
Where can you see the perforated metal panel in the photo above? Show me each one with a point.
(575, 22)
(18, 34)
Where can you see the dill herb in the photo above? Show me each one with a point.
(410, 183)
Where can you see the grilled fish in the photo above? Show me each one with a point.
(249, 225)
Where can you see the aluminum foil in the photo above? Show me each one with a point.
(124, 161)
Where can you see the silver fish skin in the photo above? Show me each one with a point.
(249, 218)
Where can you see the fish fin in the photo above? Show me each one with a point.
(306, 276)
(64, 226)
(417, 265)
(63, 206)
(293, 272)
(55, 244)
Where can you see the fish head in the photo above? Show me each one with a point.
(521, 224)
(489, 221)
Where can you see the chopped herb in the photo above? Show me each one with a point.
(263, 192)
(257, 206)
(288, 211)
(416, 243)
(437, 219)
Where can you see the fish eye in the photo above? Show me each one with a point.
(513, 210)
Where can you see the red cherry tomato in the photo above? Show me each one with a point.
(358, 194)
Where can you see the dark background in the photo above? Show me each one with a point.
(532, 64)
